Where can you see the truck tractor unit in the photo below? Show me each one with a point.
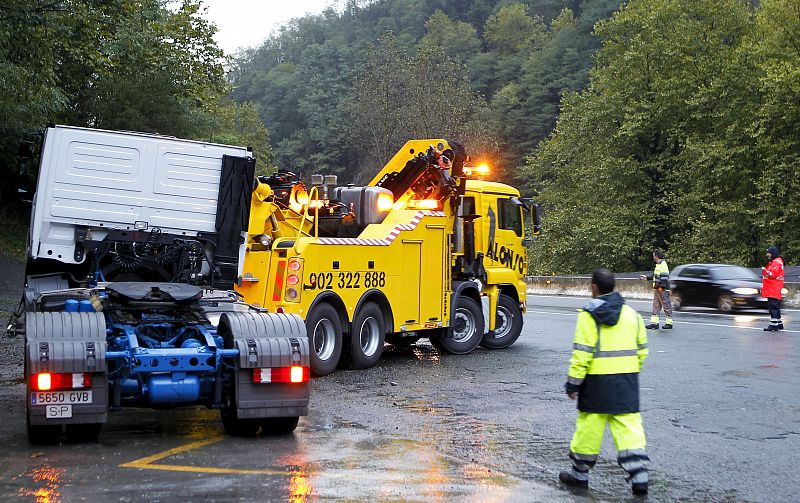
(136, 241)
(428, 248)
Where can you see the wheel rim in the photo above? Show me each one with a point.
(725, 304)
(676, 300)
(503, 320)
(324, 339)
(464, 325)
(369, 336)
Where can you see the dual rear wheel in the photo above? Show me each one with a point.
(360, 349)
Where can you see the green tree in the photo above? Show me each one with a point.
(428, 96)
(457, 39)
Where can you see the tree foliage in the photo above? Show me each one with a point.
(686, 138)
(520, 56)
(146, 65)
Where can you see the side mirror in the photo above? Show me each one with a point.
(536, 219)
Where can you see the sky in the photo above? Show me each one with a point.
(246, 23)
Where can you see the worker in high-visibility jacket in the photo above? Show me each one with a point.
(772, 288)
(661, 298)
(609, 350)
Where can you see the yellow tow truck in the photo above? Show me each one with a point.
(428, 248)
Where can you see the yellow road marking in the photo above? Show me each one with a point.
(147, 463)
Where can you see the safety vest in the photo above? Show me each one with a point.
(772, 282)
(661, 268)
(606, 360)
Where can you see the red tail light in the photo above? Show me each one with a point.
(294, 374)
(47, 381)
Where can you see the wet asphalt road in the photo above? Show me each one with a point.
(719, 399)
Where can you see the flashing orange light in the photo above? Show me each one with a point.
(479, 170)
(424, 204)
(43, 381)
(385, 202)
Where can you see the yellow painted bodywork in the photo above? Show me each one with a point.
(411, 266)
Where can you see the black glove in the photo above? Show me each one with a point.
(571, 388)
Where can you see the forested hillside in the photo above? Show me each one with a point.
(637, 124)
(688, 137)
(340, 91)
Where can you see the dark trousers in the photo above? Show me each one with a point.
(774, 306)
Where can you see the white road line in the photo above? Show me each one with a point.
(681, 322)
(649, 302)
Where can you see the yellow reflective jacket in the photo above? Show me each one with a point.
(605, 364)
(660, 270)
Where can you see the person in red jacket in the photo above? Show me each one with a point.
(772, 287)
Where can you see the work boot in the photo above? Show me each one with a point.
(639, 489)
(667, 326)
(652, 326)
(780, 326)
(771, 328)
(567, 478)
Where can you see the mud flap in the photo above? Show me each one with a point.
(268, 341)
(65, 343)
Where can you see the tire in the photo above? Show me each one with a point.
(44, 434)
(238, 427)
(279, 425)
(677, 301)
(324, 339)
(509, 324)
(82, 433)
(367, 335)
(466, 329)
(725, 303)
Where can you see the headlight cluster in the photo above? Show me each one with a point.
(745, 291)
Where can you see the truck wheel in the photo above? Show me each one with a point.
(508, 323)
(238, 427)
(80, 433)
(467, 329)
(367, 337)
(279, 425)
(44, 434)
(325, 339)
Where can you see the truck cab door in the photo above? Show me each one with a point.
(504, 233)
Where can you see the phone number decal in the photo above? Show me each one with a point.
(346, 279)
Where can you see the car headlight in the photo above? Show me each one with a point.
(745, 291)
(784, 291)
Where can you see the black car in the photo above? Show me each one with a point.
(726, 287)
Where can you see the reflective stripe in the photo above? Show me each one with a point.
(583, 457)
(583, 347)
(580, 474)
(643, 346)
(616, 354)
(575, 380)
(640, 453)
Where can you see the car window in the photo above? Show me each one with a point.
(691, 272)
(510, 216)
(735, 272)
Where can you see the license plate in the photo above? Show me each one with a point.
(61, 397)
(58, 411)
